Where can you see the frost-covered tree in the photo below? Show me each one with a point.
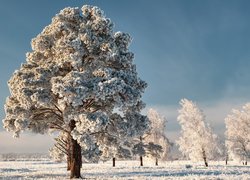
(197, 140)
(224, 153)
(238, 133)
(78, 79)
(114, 150)
(154, 150)
(157, 135)
(139, 149)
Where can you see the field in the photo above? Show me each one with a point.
(47, 169)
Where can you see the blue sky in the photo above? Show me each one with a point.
(197, 49)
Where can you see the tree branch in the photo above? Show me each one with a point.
(62, 141)
(88, 103)
(57, 108)
(59, 127)
(36, 115)
(62, 150)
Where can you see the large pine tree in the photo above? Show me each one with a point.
(80, 80)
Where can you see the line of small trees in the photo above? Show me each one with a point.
(198, 142)
(24, 157)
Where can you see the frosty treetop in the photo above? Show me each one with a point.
(79, 70)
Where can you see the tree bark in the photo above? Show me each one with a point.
(141, 161)
(68, 162)
(156, 161)
(75, 155)
(68, 151)
(113, 162)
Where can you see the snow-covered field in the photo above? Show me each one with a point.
(124, 170)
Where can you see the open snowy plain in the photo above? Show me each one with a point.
(47, 169)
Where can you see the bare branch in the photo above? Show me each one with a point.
(57, 108)
(59, 127)
(62, 150)
(62, 142)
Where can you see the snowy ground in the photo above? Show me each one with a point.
(124, 170)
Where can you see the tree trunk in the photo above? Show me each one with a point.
(245, 162)
(206, 164)
(226, 159)
(204, 157)
(141, 160)
(156, 162)
(113, 162)
(68, 150)
(75, 155)
(68, 162)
